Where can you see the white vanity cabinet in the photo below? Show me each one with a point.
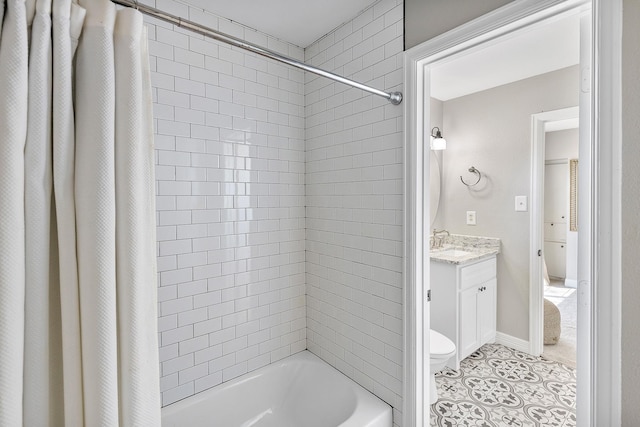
(463, 304)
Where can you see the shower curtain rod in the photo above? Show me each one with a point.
(394, 97)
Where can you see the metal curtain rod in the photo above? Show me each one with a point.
(394, 97)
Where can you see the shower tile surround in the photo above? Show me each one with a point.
(229, 135)
(259, 164)
(354, 210)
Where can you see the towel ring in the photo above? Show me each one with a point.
(472, 169)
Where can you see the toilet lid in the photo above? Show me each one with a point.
(439, 344)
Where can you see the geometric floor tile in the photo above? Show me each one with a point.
(497, 386)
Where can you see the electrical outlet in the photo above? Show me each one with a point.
(471, 217)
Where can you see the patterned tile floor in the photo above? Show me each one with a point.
(497, 386)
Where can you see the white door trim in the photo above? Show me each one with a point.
(603, 401)
(415, 371)
(536, 229)
(606, 210)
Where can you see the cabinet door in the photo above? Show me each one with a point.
(555, 255)
(556, 192)
(487, 312)
(469, 339)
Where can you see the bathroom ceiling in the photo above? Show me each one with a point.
(547, 47)
(300, 22)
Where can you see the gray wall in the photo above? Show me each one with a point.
(561, 144)
(491, 131)
(630, 209)
(425, 19)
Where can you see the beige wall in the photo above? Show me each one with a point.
(491, 131)
(425, 19)
(630, 209)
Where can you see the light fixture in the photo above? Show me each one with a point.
(437, 141)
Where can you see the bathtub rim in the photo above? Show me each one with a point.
(366, 402)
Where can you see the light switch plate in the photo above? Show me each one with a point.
(471, 217)
(521, 204)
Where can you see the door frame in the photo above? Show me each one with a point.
(601, 278)
(536, 222)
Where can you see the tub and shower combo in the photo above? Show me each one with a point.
(299, 391)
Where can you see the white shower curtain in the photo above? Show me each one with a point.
(78, 334)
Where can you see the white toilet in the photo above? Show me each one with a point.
(442, 349)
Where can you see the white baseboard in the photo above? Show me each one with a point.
(512, 342)
(571, 283)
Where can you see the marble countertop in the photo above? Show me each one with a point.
(461, 249)
(461, 255)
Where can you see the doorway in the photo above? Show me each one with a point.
(597, 214)
(554, 238)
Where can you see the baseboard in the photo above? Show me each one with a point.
(571, 283)
(512, 342)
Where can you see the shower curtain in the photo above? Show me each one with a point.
(78, 333)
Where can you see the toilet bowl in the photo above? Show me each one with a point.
(442, 349)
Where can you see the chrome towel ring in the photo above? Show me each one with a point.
(472, 169)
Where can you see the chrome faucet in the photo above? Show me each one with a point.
(437, 239)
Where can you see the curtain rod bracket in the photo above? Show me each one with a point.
(395, 98)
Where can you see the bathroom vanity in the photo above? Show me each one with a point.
(463, 297)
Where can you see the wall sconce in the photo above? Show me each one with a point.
(437, 141)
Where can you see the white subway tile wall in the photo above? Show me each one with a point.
(230, 171)
(232, 162)
(354, 164)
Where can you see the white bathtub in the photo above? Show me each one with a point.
(299, 391)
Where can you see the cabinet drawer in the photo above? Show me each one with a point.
(475, 274)
(555, 231)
